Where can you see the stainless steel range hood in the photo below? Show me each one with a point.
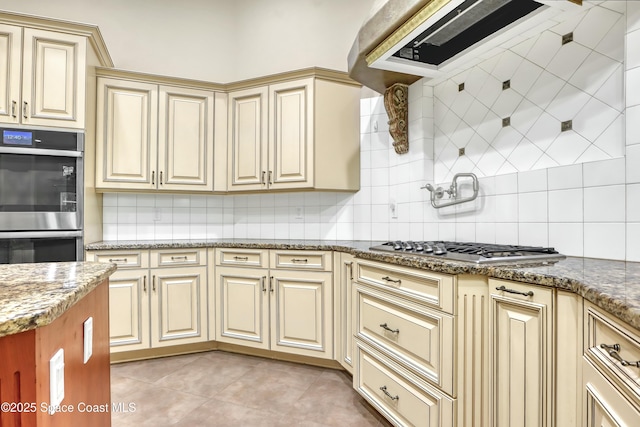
(440, 35)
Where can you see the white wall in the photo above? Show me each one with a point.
(215, 40)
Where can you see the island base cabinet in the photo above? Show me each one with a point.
(397, 394)
(24, 369)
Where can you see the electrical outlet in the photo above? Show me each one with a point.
(88, 339)
(56, 380)
(393, 209)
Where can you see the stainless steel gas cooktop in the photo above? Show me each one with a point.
(479, 253)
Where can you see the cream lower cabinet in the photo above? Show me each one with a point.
(345, 309)
(44, 74)
(405, 343)
(157, 298)
(286, 308)
(153, 137)
(521, 354)
(611, 371)
(288, 133)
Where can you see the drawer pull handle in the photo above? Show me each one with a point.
(241, 258)
(613, 352)
(174, 258)
(299, 260)
(117, 260)
(384, 390)
(614, 347)
(389, 279)
(387, 328)
(513, 291)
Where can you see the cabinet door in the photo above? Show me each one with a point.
(346, 312)
(520, 346)
(248, 139)
(291, 135)
(129, 310)
(301, 315)
(10, 60)
(178, 304)
(242, 306)
(126, 134)
(53, 79)
(185, 135)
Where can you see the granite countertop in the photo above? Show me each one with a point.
(34, 295)
(613, 286)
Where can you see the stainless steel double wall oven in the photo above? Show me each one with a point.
(41, 195)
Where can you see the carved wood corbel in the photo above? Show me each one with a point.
(397, 106)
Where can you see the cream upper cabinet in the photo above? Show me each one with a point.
(127, 135)
(248, 115)
(521, 357)
(50, 91)
(271, 137)
(153, 137)
(294, 134)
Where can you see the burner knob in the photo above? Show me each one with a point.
(439, 250)
(397, 246)
(427, 248)
(419, 247)
(408, 246)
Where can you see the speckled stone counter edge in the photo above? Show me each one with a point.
(623, 307)
(33, 300)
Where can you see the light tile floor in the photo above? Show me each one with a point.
(225, 389)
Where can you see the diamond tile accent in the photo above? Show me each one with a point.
(582, 81)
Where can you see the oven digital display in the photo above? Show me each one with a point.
(17, 137)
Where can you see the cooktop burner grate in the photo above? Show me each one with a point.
(480, 253)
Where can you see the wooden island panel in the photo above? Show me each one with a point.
(24, 371)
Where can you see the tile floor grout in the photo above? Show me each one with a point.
(221, 389)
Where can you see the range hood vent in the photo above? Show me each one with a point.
(470, 22)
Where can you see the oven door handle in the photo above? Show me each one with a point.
(39, 234)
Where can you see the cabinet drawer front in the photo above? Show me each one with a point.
(400, 399)
(433, 289)
(301, 260)
(419, 338)
(124, 259)
(242, 257)
(622, 343)
(604, 404)
(168, 258)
